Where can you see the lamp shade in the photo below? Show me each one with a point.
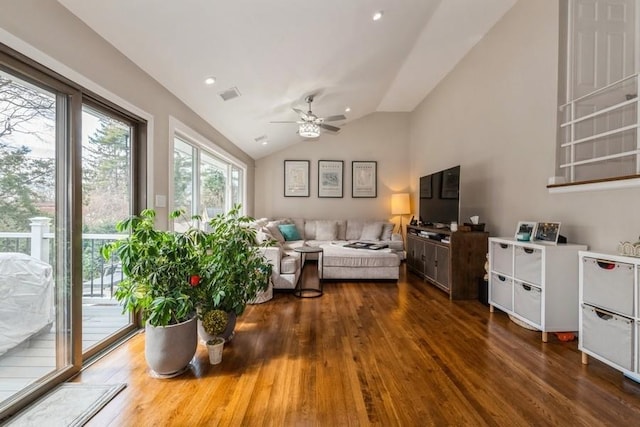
(309, 130)
(400, 204)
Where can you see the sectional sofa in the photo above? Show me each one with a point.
(336, 262)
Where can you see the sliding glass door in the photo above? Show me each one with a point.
(35, 234)
(71, 166)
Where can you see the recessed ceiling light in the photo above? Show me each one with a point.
(265, 142)
(377, 16)
(346, 110)
(209, 80)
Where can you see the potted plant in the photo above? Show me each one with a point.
(161, 270)
(214, 322)
(233, 270)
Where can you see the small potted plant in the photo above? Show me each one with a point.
(214, 322)
(233, 269)
(161, 270)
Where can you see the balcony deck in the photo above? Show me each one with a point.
(36, 357)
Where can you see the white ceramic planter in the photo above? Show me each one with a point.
(215, 351)
(169, 349)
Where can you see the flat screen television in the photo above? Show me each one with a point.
(440, 197)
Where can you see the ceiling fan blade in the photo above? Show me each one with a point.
(329, 127)
(303, 114)
(335, 118)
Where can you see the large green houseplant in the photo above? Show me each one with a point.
(234, 270)
(161, 272)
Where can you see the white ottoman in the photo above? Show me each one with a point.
(361, 264)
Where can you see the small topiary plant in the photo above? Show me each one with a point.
(214, 322)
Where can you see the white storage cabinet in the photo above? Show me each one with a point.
(609, 311)
(535, 282)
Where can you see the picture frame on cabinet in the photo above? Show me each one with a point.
(525, 230)
(547, 232)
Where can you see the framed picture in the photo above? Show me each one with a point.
(449, 185)
(296, 178)
(364, 179)
(330, 174)
(425, 187)
(526, 227)
(547, 232)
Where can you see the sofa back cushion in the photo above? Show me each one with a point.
(312, 226)
(326, 230)
(355, 228)
(371, 231)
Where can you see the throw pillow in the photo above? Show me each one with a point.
(371, 231)
(275, 231)
(289, 232)
(387, 230)
(326, 230)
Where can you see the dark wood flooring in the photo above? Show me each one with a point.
(372, 353)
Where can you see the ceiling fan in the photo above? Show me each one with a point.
(309, 124)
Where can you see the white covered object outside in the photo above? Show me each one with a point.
(26, 298)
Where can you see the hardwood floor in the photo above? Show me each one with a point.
(372, 354)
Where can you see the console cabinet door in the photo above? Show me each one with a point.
(442, 266)
(415, 254)
(430, 261)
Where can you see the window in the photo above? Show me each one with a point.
(598, 119)
(206, 180)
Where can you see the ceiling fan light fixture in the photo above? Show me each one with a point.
(309, 130)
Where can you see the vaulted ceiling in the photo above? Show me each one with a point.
(278, 52)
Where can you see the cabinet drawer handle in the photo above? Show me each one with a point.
(603, 314)
(606, 265)
(528, 250)
(501, 278)
(526, 287)
(504, 245)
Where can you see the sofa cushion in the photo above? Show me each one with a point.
(272, 226)
(289, 232)
(326, 230)
(289, 264)
(371, 231)
(387, 231)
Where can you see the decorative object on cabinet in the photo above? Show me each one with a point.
(364, 179)
(609, 318)
(452, 261)
(547, 232)
(296, 178)
(525, 230)
(330, 178)
(629, 249)
(535, 283)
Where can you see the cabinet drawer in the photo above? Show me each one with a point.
(501, 290)
(502, 257)
(527, 301)
(528, 264)
(608, 284)
(608, 335)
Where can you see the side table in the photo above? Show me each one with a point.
(301, 291)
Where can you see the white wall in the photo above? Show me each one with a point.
(48, 33)
(495, 114)
(382, 137)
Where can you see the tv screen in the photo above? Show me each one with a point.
(440, 197)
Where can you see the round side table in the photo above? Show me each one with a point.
(301, 291)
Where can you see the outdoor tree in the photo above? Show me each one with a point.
(26, 182)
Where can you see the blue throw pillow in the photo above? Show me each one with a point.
(289, 231)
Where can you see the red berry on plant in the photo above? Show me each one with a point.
(194, 280)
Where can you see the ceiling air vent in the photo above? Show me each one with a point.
(229, 94)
